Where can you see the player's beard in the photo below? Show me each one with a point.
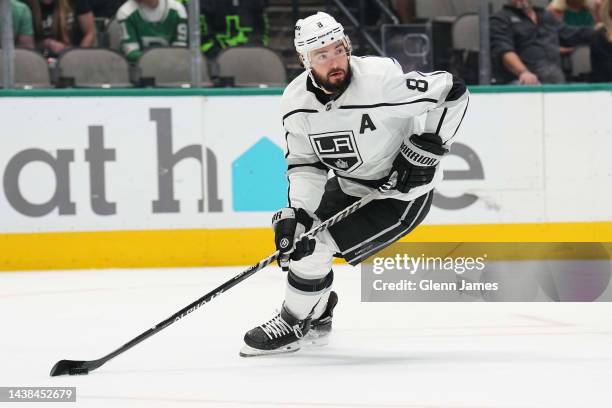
(334, 87)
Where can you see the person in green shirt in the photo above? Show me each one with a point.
(580, 13)
(576, 13)
(151, 23)
(23, 31)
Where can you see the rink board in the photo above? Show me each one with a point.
(132, 178)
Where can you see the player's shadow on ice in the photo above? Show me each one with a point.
(403, 358)
(311, 358)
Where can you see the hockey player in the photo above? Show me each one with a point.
(369, 123)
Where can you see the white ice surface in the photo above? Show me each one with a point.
(431, 355)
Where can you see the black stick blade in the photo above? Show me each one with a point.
(70, 367)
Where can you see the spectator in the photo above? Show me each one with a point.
(575, 12)
(55, 26)
(525, 44)
(23, 33)
(229, 23)
(105, 8)
(151, 23)
(601, 47)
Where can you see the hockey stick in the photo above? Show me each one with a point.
(75, 367)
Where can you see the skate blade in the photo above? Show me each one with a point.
(316, 338)
(248, 351)
(318, 341)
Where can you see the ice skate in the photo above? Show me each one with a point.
(320, 329)
(279, 335)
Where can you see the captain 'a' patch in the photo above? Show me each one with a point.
(366, 123)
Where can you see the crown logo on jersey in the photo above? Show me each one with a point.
(341, 164)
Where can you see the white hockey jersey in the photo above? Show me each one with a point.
(358, 134)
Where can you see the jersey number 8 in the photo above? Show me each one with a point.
(418, 84)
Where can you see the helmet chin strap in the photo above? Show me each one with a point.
(314, 81)
(308, 66)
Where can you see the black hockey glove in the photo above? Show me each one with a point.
(288, 224)
(415, 164)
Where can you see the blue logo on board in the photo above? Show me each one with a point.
(258, 178)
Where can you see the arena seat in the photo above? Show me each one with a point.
(252, 66)
(430, 9)
(94, 68)
(466, 34)
(170, 67)
(113, 34)
(31, 70)
(581, 63)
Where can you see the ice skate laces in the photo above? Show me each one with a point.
(277, 327)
